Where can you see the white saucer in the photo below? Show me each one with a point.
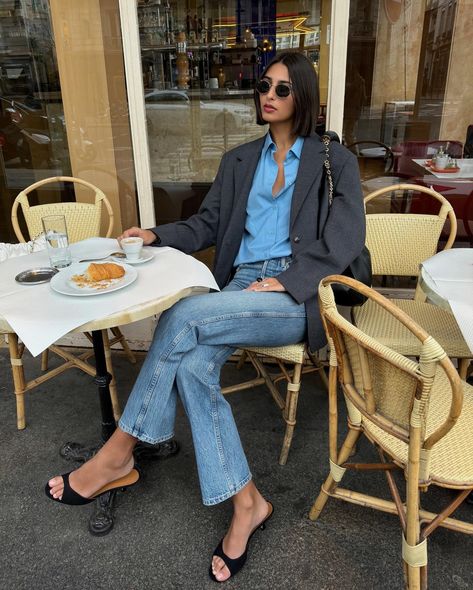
(145, 256)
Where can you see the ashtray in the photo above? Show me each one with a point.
(35, 276)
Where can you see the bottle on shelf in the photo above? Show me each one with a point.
(221, 78)
(182, 62)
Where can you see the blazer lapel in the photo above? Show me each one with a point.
(310, 167)
(244, 171)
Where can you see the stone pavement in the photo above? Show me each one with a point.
(163, 536)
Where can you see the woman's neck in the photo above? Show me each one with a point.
(282, 135)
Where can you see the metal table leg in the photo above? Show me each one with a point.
(102, 518)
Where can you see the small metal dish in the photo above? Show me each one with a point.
(35, 276)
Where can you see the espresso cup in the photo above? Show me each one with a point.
(132, 247)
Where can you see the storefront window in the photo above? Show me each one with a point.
(63, 105)
(33, 140)
(200, 62)
(408, 98)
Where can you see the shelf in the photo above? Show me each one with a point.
(209, 47)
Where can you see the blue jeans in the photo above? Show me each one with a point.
(192, 341)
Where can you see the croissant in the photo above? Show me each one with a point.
(102, 272)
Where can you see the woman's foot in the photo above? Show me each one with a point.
(113, 461)
(250, 511)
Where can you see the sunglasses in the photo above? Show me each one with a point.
(282, 90)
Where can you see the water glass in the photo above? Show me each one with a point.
(57, 243)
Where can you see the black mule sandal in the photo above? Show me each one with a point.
(235, 565)
(72, 498)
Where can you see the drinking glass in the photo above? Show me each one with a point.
(57, 243)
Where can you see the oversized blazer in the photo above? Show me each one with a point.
(323, 241)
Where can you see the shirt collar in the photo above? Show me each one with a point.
(296, 147)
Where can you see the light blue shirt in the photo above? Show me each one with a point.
(267, 218)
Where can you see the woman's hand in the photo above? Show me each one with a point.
(136, 232)
(266, 285)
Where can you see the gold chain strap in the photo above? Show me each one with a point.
(326, 142)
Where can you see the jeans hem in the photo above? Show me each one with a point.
(143, 437)
(226, 495)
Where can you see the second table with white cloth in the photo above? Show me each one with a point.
(447, 280)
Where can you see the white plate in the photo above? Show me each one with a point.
(63, 283)
(145, 256)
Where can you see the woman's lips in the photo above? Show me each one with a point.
(268, 109)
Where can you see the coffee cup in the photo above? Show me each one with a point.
(132, 247)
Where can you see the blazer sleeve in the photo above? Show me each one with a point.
(343, 236)
(200, 230)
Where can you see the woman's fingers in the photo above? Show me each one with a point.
(136, 232)
(271, 284)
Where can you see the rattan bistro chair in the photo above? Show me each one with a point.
(83, 221)
(290, 362)
(417, 414)
(398, 243)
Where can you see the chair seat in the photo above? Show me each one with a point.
(292, 353)
(440, 323)
(452, 457)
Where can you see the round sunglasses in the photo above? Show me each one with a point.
(282, 90)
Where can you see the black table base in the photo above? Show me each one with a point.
(102, 518)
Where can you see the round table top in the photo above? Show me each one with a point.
(127, 316)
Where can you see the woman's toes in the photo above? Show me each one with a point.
(55, 481)
(219, 569)
(56, 490)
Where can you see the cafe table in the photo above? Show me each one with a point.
(464, 165)
(40, 315)
(447, 280)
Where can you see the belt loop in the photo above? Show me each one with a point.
(264, 268)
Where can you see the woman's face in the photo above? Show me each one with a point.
(273, 108)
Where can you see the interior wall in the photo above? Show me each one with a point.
(397, 54)
(458, 105)
(88, 44)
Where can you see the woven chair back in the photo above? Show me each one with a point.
(399, 242)
(381, 386)
(83, 220)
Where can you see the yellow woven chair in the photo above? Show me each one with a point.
(83, 221)
(292, 361)
(418, 415)
(398, 243)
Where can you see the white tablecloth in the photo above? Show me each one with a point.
(450, 275)
(40, 316)
(466, 169)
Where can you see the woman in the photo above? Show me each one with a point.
(261, 213)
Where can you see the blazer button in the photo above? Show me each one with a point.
(297, 239)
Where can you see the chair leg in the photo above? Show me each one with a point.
(412, 533)
(463, 365)
(19, 382)
(330, 484)
(124, 344)
(290, 410)
(44, 359)
(113, 384)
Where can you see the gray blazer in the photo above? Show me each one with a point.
(220, 221)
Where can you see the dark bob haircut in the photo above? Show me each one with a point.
(305, 92)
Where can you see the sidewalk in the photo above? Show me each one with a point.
(163, 536)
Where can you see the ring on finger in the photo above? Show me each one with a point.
(265, 285)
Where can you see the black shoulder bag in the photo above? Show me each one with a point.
(360, 267)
